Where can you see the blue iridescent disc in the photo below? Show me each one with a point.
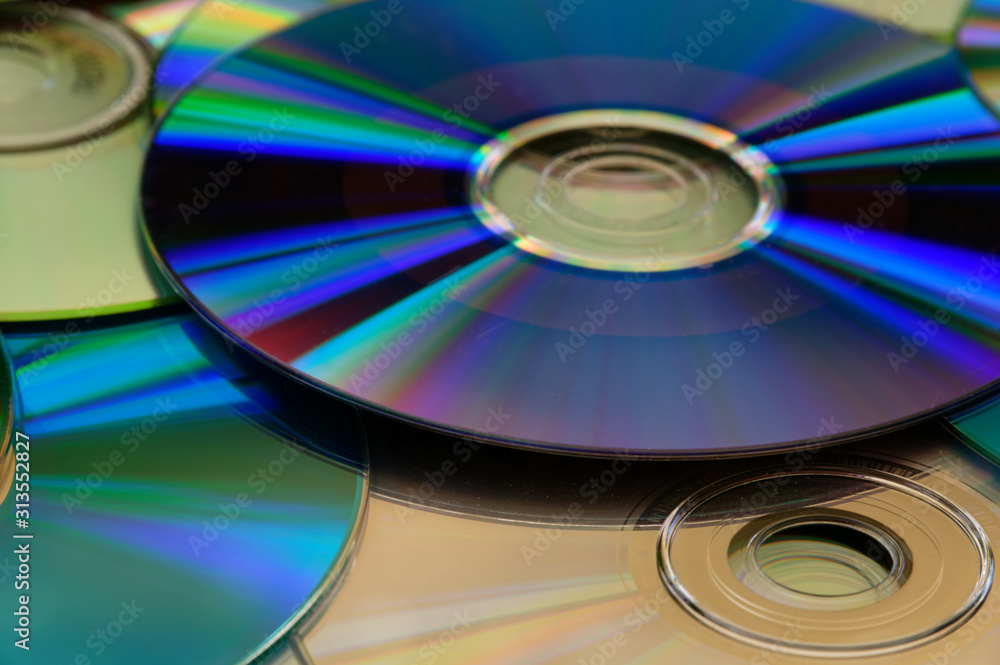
(182, 503)
(765, 224)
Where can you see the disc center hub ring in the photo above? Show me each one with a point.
(76, 78)
(851, 564)
(626, 190)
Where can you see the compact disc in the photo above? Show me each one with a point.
(216, 27)
(978, 41)
(74, 120)
(181, 503)
(593, 232)
(879, 554)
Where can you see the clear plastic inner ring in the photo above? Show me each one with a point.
(74, 76)
(626, 190)
(826, 560)
(862, 563)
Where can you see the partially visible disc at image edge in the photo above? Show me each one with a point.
(876, 553)
(938, 19)
(979, 426)
(184, 503)
(540, 233)
(978, 41)
(74, 121)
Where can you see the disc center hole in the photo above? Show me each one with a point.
(824, 559)
(619, 185)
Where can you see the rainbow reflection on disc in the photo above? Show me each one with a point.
(217, 27)
(155, 20)
(755, 242)
(184, 507)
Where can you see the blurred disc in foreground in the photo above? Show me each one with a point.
(184, 504)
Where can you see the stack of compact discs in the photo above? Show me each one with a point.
(166, 497)
(880, 553)
(533, 332)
